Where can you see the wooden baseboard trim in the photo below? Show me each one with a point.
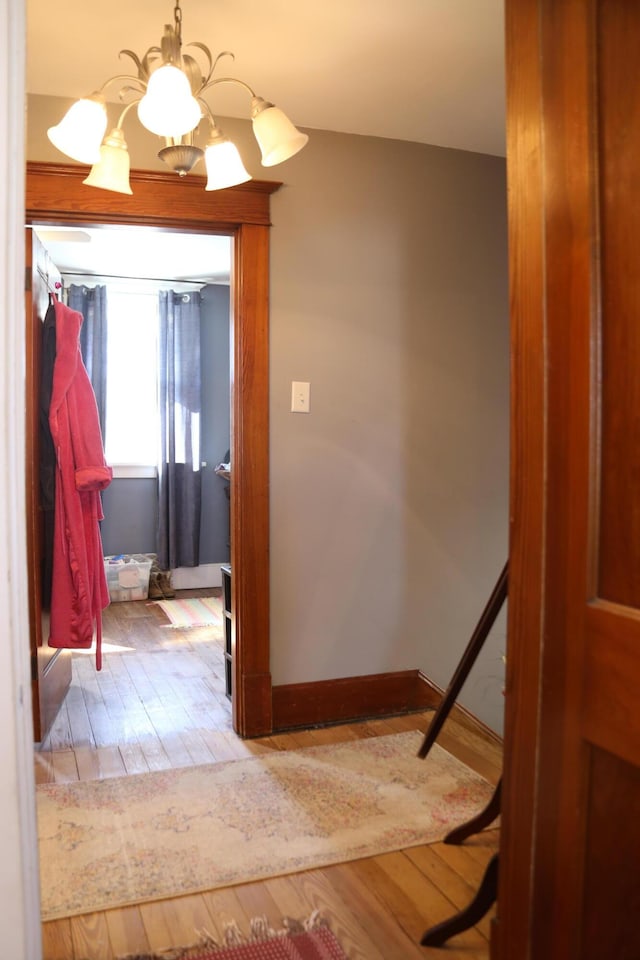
(432, 694)
(348, 699)
(252, 705)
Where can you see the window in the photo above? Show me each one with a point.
(132, 421)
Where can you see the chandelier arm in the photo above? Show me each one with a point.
(240, 83)
(126, 111)
(207, 110)
(205, 49)
(124, 76)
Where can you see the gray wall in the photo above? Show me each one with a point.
(389, 501)
(130, 507)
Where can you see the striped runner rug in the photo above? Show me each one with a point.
(312, 940)
(192, 611)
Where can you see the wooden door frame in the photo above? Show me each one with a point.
(526, 198)
(549, 360)
(51, 673)
(55, 194)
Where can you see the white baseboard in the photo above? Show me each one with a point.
(191, 578)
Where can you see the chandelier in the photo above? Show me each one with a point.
(168, 93)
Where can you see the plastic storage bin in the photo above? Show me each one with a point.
(128, 576)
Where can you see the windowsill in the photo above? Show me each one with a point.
(133, 471)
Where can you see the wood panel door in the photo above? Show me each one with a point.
(50, 669)
(570, 854)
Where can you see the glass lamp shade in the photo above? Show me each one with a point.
(80, 132)
(112, 171)
(224, 166)
(277, 137)
(168, 107)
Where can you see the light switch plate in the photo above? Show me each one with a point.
(299, 396)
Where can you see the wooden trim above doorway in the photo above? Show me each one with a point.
(159, 199)
(56, 194)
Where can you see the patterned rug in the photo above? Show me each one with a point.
(192, 612)
(124, 840)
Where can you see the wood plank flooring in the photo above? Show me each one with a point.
(159, 702)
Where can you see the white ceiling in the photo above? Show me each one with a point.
(137, 252)
(430, 71)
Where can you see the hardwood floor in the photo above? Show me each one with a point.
(159, 702)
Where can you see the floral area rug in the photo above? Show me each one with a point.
(107, 843)
(192, 612)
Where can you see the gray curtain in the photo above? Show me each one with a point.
(179, 478)
(91, 302)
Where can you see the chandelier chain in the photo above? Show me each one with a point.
(177, 17)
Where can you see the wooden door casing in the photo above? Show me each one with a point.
(55, 194)
(50, 668)
(571, 841)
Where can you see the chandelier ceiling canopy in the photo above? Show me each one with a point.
(167, 91)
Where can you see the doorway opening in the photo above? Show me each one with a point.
(164, 694)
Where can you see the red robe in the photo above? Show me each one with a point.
(79, 588)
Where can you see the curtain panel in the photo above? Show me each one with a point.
(91, 302)
(180, 401)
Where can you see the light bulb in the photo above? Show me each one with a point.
(168, 108)
(277, 137)
(112, 171)
(224, 165)
(80, 132)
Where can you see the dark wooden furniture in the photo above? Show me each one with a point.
(469, 657)
(437, 935)
(487, 892)
(225, 570)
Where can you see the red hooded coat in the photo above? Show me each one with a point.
(79, 588)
